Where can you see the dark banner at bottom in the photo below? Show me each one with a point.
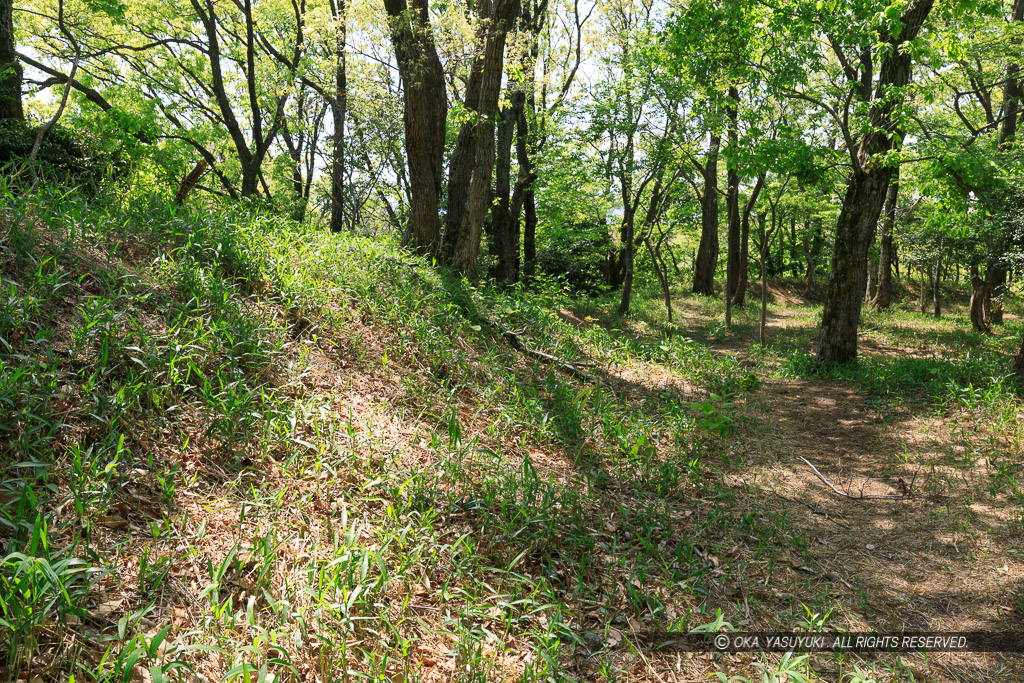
(837, 642)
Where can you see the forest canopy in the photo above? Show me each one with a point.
(596, 141)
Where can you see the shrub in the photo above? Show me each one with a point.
(63, 154)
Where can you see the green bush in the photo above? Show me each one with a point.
(64, 154)
(583, 261)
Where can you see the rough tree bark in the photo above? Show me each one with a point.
(339, 109)
(1013, 92)
(424, 115)
(505, 224)
(472, 162)
(883, 291)
(980, 298)
(10, 67)
(865, 196)
(707, 252)
(732, 206)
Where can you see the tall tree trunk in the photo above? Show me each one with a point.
(844, 292)
(779, 261)
(339, 107)
(504, 224)
(534, 15)
(936, 295)
(46, 127)
(762, 328)
(864, 199)
(1013, 92)
(883, 292)
(707, 252)
(995, 278)
(792, 245)
(739, 296)
(732, 205)
(628, 257)
(10, 67)
(472, 162)
(744, 267)
(425, 115)
(661, 270)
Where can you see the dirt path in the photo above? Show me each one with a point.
(944, 558)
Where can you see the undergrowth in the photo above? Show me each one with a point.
(199, 477)
(237, 447)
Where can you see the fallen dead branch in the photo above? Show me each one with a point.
(574, 369)
(514, 340)
(844, 494)
(814, 510)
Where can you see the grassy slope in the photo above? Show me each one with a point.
(236, 443)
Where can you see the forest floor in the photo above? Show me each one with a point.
(242, 449)
(939, 549)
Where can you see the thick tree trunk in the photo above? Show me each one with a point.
(10, 67)
(883, 293)
(472, 162)
(1013, 92)
(425, 115)
(865, 197)
(339, 109)
(936, 294)
(504, 225)
(844, 293)
(980, 298)
(707, 252)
